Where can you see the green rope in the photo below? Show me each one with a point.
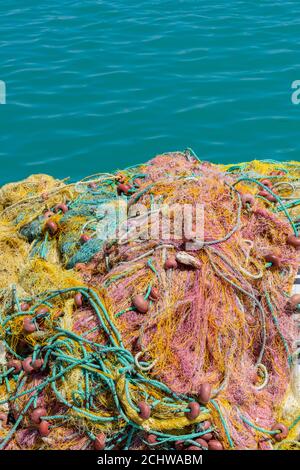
(258, 428)
(278, 199)
(215, 404)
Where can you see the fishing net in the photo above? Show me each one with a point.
(120, 332)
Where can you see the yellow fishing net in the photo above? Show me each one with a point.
(119, 332)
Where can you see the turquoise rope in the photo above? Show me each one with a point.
(278, 199)
(215, 404)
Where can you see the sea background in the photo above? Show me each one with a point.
(94, 85)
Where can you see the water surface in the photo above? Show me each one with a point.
(98, 85)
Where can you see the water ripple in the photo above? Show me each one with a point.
(96, 85)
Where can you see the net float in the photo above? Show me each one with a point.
(263, 193)
(37, 414)
(48, 214)
(16, 364)
(271, 198)
(123, 188)
(37, 364)
(194, 411)
(99, 442)
(204, 393)
(27, 365)
(194, 448)
(267, 195)
(140, 303)
(282, 431)
(179, 445)
(28, 325)
(44, 428)
(267, 183)
(278, 173)
(61, 207)
(145, 410)
(84, 238)
(171, 263)
(154, 294)
(248, 199)
(78, 300)
(271, 258)
(42, 311)
(205, 425)
(294, 301)
(51, 227)
(202, 442)
(151, 438)
(207, 437)
(24, 306)
(294, 241)
(215, 445)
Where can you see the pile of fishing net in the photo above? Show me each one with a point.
(117, 339)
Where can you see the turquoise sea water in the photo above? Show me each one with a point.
(95, 85)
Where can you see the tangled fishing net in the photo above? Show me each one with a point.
(138, 341)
